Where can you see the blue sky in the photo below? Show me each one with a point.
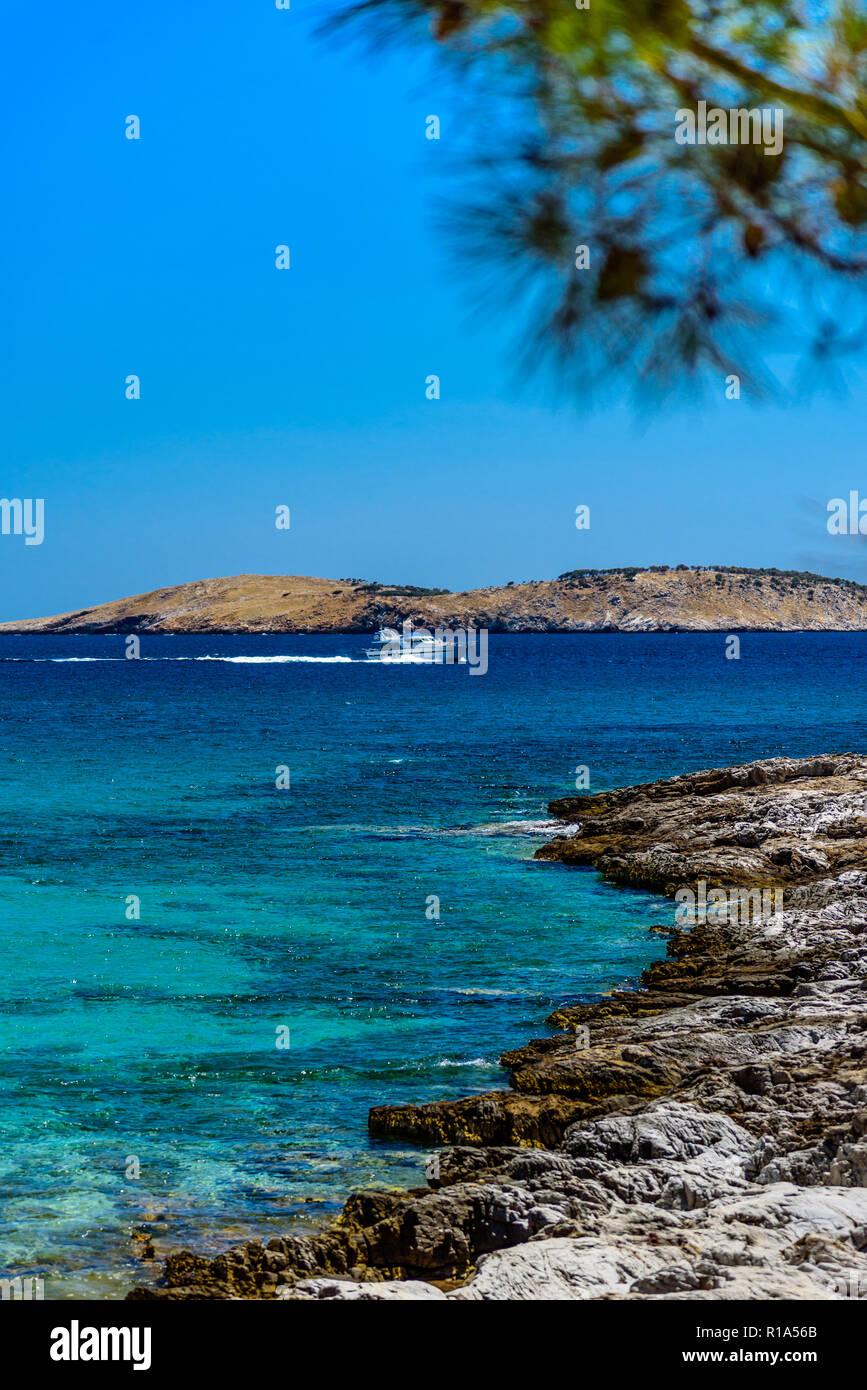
(307, 387)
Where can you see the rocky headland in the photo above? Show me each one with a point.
(703, 1137)
(654, 599)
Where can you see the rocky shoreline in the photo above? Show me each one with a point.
(704, 1137)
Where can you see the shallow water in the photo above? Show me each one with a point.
(311, 908)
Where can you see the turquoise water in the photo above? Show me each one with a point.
(305, 907)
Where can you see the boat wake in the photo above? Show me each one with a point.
(233, 660)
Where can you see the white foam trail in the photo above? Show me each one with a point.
(493, 993)
(242, 660)
(473, 1062)
(508, 829)
(255, 660)
(526, 827)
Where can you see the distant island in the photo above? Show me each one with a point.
(655, 599)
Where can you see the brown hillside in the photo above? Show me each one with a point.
(590, 601)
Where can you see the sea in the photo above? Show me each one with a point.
(253, 885)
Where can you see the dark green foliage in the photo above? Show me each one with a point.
(746, 575)
(574, 111)
(396, 590)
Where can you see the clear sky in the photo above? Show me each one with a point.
(306, 387)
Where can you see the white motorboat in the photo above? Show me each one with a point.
(414, 645)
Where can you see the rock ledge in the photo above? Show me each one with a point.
(704, 1137)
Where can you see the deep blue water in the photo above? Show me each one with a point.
(305, 908)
